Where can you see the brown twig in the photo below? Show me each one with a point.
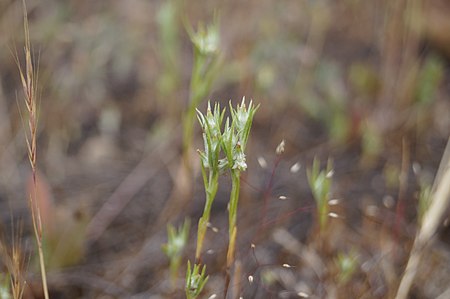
(431, 221)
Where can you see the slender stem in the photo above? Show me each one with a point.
(234, 199)
(211, 191)
(37, 228)
(232, 216)
(195, 96)
(43, 273)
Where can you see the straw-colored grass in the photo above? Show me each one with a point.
(431, 221)
(29, 80)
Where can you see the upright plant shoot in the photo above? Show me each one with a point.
(234, 142)
(210, 165)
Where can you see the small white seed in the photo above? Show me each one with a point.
(262, 162)
(388, 201)
(213, 228)
(330, 174)
(333, 202)
(303, 295)
(250, 279)
(295, 168)
(371, 210)
(280, 148)
(282, 197)
(333, 215)
(416, 168)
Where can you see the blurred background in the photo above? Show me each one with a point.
(365, 83)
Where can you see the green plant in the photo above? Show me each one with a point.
(234, 142)
(320, 184)
(210, 165)
(5, 292)
(347, 264)
(195, 280)
(429, 78)
(13, 284)
(170, 50)
(206, 65)
(424, 201)
(176, 242)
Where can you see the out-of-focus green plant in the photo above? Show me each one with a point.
(424, 201)
(5, 292)
(169, 44)
(206, 66)
(429, 78)
(371, 140)
(325, 100)
(320, 184)
(347, 264)
(176, 242)
(364, 80)
(195, 280)
(391, 174)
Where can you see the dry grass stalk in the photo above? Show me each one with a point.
(431, 221)
(15, 263)
(29, 80)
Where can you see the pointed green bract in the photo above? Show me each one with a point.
(177, 240)
(195, 280)
(320, 184)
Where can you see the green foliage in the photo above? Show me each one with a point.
(169, 36)
(236, 134)
(211, 167)
(430, 76)
(424, 201)
(320, 184)
(363, 79)
(372, 141)
(325, 99)
(195, 280)
(207, 64)
(347, 264)
(5, 292)
(232, 140)
(211, 125)
(177, 240)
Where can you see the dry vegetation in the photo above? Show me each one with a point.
(364, 83)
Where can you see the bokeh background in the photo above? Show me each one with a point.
(365, 83)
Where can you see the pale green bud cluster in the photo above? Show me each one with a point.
(206, 39)
(232, 141)
(195, 280)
